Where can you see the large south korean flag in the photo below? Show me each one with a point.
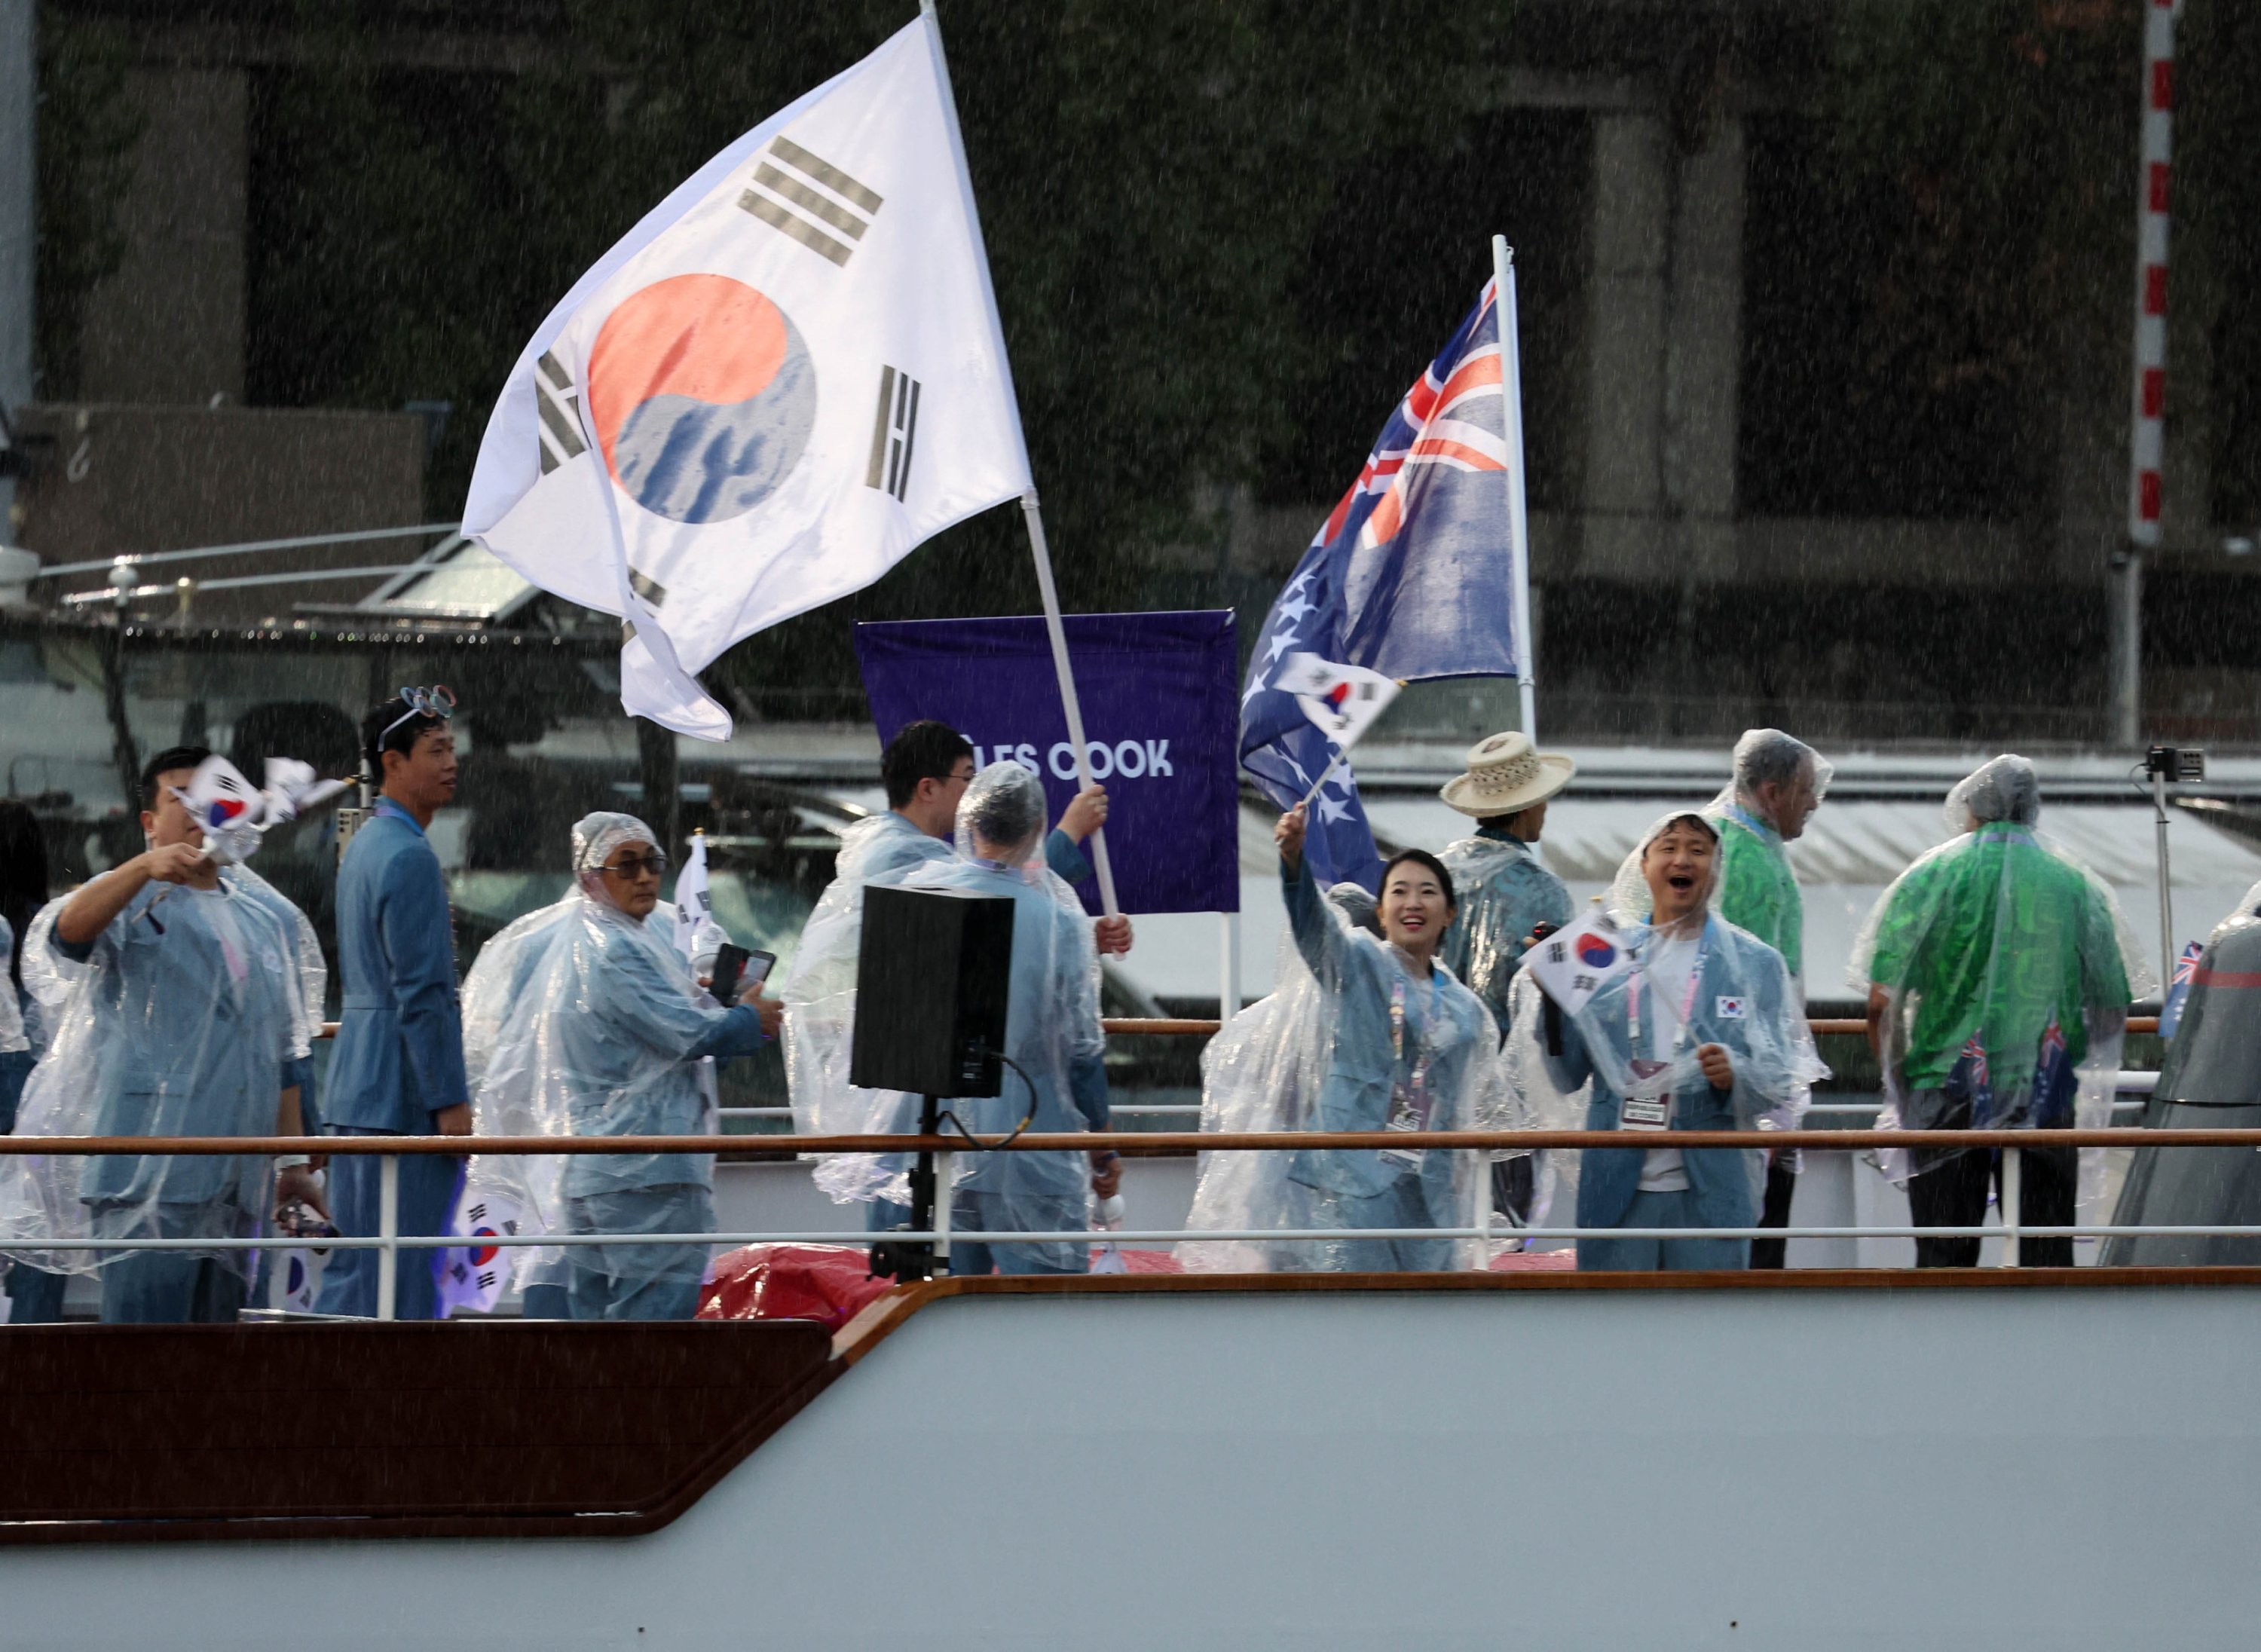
(770, 390)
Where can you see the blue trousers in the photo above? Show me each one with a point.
(972, 1212)
(157, 1287)
(546, 1302)
(1402, 1204)
(33, 1297)
(1648, 1255)
(986, 1212)
(639, 1282)
(430, 1184)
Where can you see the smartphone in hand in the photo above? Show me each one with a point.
(737, 969)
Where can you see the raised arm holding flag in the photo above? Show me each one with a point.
(1412, 576)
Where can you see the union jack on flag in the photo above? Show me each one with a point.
(2170, 1017)
(1411, 575)
(1975, 1053)
(2054, 1081)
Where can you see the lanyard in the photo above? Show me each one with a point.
(1420, 1079)
(1687, 1004)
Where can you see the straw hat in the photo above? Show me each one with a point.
(1504, 775)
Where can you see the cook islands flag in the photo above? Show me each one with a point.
(769, 391)
(1412, 576)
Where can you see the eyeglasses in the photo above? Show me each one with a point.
(637, 866)
(438, 701)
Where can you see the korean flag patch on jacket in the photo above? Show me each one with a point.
(1728, 1009)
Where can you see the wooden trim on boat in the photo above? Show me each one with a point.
(140, 1433)
(151, 1433)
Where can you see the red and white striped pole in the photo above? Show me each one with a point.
(2147, 440)
(2150, 388)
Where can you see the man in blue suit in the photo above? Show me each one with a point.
(397, 1068)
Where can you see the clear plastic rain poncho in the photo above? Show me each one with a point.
(1504, 891)
(12, 1036)
(1758, 892)
(1262, 1072)
(2007, 970)
(1741, 1000)
(819, 994)
(184, 1019)
(1361, 1043)
(579, 1020)
(1052, 1033)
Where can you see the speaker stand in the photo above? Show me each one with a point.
(902, 1260)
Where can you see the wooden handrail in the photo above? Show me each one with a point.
(1129, 1144)
(1196, 1027)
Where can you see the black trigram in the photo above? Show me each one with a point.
(893, 428)
(561, 414)
(817, 218)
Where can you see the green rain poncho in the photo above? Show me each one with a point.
(1758, 892)
(2006, 972)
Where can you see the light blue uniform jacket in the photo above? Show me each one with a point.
(1739, 969)
(399, 1053)
(1358, 973)
(896, 846)
(180, 1050)
(628, 1044)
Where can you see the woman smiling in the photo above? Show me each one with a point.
(1412, 1052)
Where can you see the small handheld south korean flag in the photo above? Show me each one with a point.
(227, 809)
(1343, 701)
(473, 1278)
(694, 901)
(1578, 960)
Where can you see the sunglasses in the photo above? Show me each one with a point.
(439, 700)
(637, 866)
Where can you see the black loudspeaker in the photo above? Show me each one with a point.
(932, 978)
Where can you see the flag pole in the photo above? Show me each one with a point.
(1034, 515)
(1341, 753)
(1031, 513)
(1518, 522)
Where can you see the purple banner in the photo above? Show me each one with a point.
(1160, 710)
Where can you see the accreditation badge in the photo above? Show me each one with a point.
(1645, 1111)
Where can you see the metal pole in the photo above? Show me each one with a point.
(2166, 897)
(2013, 1203)
(2126, 651)
(1228, 984)
(1034, 515)
(388, 1229)
(1518, 520)
(943, 1174)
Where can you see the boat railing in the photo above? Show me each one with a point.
(389, 1241)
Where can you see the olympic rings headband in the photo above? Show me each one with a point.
(439, 700)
